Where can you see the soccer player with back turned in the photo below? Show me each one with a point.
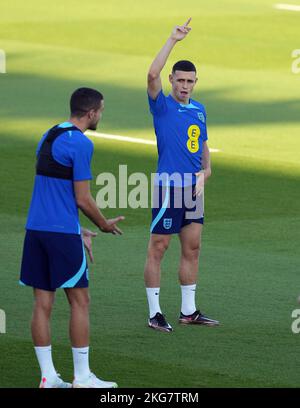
(180, 127)
(53, 254)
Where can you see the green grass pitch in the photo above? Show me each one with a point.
(250, 262)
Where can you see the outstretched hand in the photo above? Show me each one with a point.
(180, 32)
(111, 225)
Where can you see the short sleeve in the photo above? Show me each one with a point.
(158, 106)
(81, 157)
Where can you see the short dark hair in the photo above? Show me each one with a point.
(83, 100)
(184, 65)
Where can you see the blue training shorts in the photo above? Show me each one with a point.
(53, 260)
(175, 207)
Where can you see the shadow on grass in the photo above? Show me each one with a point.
(31, 96)
(234, 192)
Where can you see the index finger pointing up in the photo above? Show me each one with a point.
(188, 22)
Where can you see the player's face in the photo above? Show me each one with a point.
(95, 116)
(182, 85)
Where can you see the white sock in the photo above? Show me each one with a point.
(188, 292)
(81, 363)
(44, 356)
(153, 301)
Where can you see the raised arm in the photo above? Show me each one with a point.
(154, 80)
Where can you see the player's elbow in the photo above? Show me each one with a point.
(152, 75)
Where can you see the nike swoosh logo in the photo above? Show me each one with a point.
(182, 110)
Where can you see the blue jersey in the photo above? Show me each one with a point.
(53, 206)
(180, 132)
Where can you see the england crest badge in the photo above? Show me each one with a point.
(201, 117)
(167, 223)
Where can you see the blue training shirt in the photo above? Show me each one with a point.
(53, 206)
(180, 132)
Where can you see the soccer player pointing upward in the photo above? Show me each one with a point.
(180, 127)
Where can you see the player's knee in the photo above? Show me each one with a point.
(81, 301)
(158, 248)
(44, 305)
(191, 253)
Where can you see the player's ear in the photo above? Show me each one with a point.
(90, 114)
(171, 78)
